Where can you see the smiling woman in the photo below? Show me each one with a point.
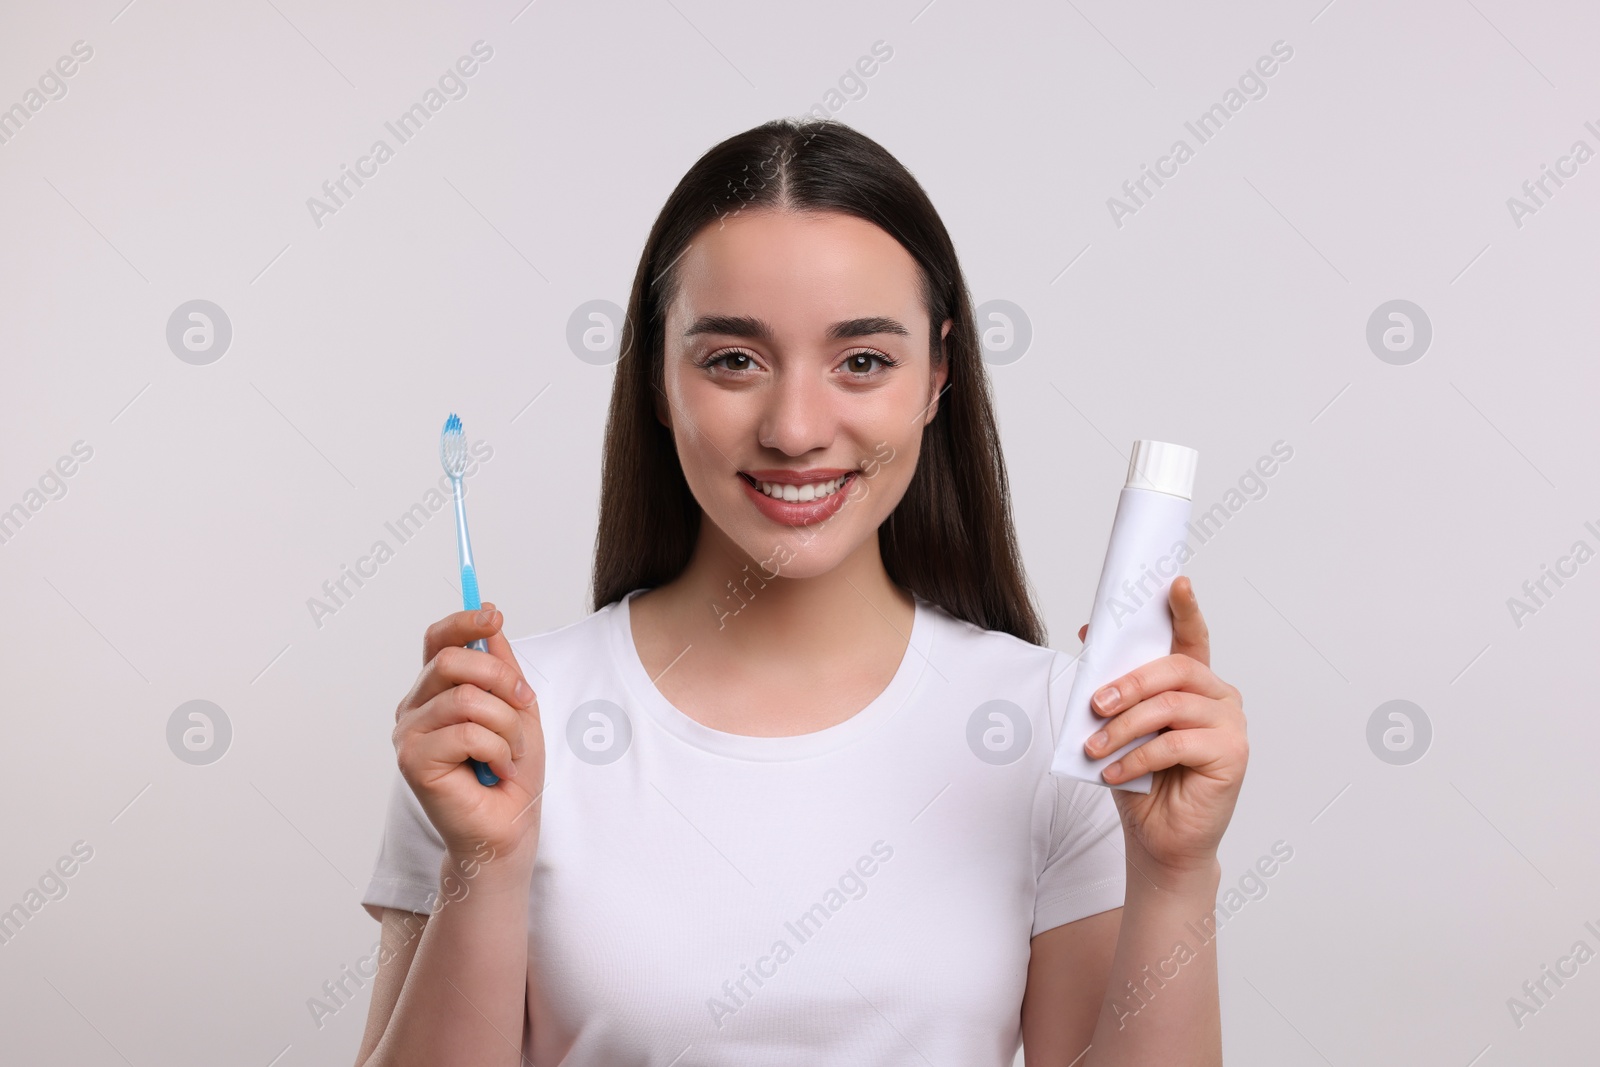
(803, 317)
(802, 428)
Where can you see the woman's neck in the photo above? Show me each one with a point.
(732, 610)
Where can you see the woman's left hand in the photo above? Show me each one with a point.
(1199, 760)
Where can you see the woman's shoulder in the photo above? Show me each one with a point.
(577, 640)
(968, 643)
(978, 668)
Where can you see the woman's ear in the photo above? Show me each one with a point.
(663, 412)
(940, 375)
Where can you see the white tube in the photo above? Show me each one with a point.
(1131, 622)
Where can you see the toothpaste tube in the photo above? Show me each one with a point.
(1130, 624)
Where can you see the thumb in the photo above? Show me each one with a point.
(1189, 633)
(1082, 630)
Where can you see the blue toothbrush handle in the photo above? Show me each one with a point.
(469, 596)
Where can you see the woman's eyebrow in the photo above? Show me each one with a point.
(758, 329)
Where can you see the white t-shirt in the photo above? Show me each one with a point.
(861, 894)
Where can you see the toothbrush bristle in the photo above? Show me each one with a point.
(453, 447)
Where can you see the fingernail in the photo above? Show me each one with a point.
(1113, 771)
(524, 694)
(1106, 699)
(484, 616)
(1098, 741)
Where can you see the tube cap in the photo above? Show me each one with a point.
(1162, 467)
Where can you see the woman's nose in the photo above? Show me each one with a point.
(799, 416)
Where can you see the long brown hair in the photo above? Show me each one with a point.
(950, 539)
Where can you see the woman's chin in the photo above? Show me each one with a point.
(792, 551)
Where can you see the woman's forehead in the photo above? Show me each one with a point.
(795, 274)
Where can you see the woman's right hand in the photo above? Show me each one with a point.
(465, 705)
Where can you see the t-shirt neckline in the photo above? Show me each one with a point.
(743, 746)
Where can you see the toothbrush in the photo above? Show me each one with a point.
(453, 455)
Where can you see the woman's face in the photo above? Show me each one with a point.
(778, 349)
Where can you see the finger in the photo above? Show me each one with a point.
(455, 665)
(1203, 750)
(1082, 630)
(1169, 672)
(523, 693)
(1189, 633)
(1172, 709)
(468, 703)
(444, 750)
(459, 628)
(501, 650)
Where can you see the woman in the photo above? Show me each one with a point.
(796, 760)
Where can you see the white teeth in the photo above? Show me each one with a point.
(802, 493)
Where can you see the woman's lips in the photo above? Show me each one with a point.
(796, 512)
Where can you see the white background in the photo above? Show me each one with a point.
(1228, 313)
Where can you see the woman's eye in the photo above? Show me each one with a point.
(734, 354)
(862, 361)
